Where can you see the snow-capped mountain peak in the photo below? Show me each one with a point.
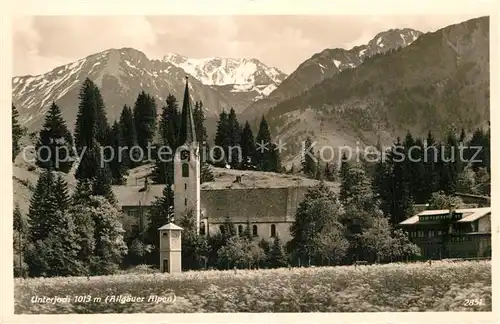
(224, 71)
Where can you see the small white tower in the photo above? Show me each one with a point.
(170, 248)
(187, 166)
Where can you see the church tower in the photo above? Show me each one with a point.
(187, 166)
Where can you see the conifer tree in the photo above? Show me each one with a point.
(101, 184)
(199, 122)
(17, 132)
(128, 137)
(168, 132)
(222, 139)
(234, 139)
(266, 155)
(82, 193)
(160, 213)
(61, 193)
(91, 121)
(19, 222)
(308, 164)
(145, 119)
(90, 162)
(277, 257)
(55, 143)
(43, 207)
(247, 146)
(116, 165)
(19, 241)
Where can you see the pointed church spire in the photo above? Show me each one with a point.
(187, 134)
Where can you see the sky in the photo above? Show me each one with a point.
(42, 43)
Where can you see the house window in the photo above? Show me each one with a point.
(185, 170)
(254, 230)
(273, 230)
(240, 229)
(133, 213)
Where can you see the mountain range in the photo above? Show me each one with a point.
(122, 73)
(328, 63)
(401, 80)
(441, 79)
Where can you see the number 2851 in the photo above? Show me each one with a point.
(473, 302)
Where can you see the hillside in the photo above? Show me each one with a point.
(328, 63)
(440, 79)
(122, 73)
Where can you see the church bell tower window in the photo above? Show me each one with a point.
(185, 170)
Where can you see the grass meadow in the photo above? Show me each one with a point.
(440, 286)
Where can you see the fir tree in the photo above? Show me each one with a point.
(234, 148)
(90, 162)
(168, 131)
(61, 193)
(91, 121)
(160, 213)
(55, 143)
(247, 146)
(43, 207)
(266, 155)
(308, 164)
(82, 193)
(101, 184)
(128, 137)
(222, 139)
(199, 122)
(116, 164)
(19, 222)
(17, 132)
(277, 257)
(145, 119)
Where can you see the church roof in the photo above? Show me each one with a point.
(187, 133)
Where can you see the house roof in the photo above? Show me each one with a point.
(170, 226)
(136, 195)
(469, 214)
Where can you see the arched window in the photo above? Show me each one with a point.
(273, 230)
(221, 228)
(185, 170)
(240, 229)
(254, 230)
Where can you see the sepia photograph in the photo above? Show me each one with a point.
(299, 163)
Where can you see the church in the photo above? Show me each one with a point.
(267, 201)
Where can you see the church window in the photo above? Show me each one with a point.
(273, 230)
(185, 170)
(185, 201)
(202, 228)
(221, 228)
(254, 230)
(240, 229)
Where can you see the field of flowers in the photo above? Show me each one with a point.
(441, 286)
